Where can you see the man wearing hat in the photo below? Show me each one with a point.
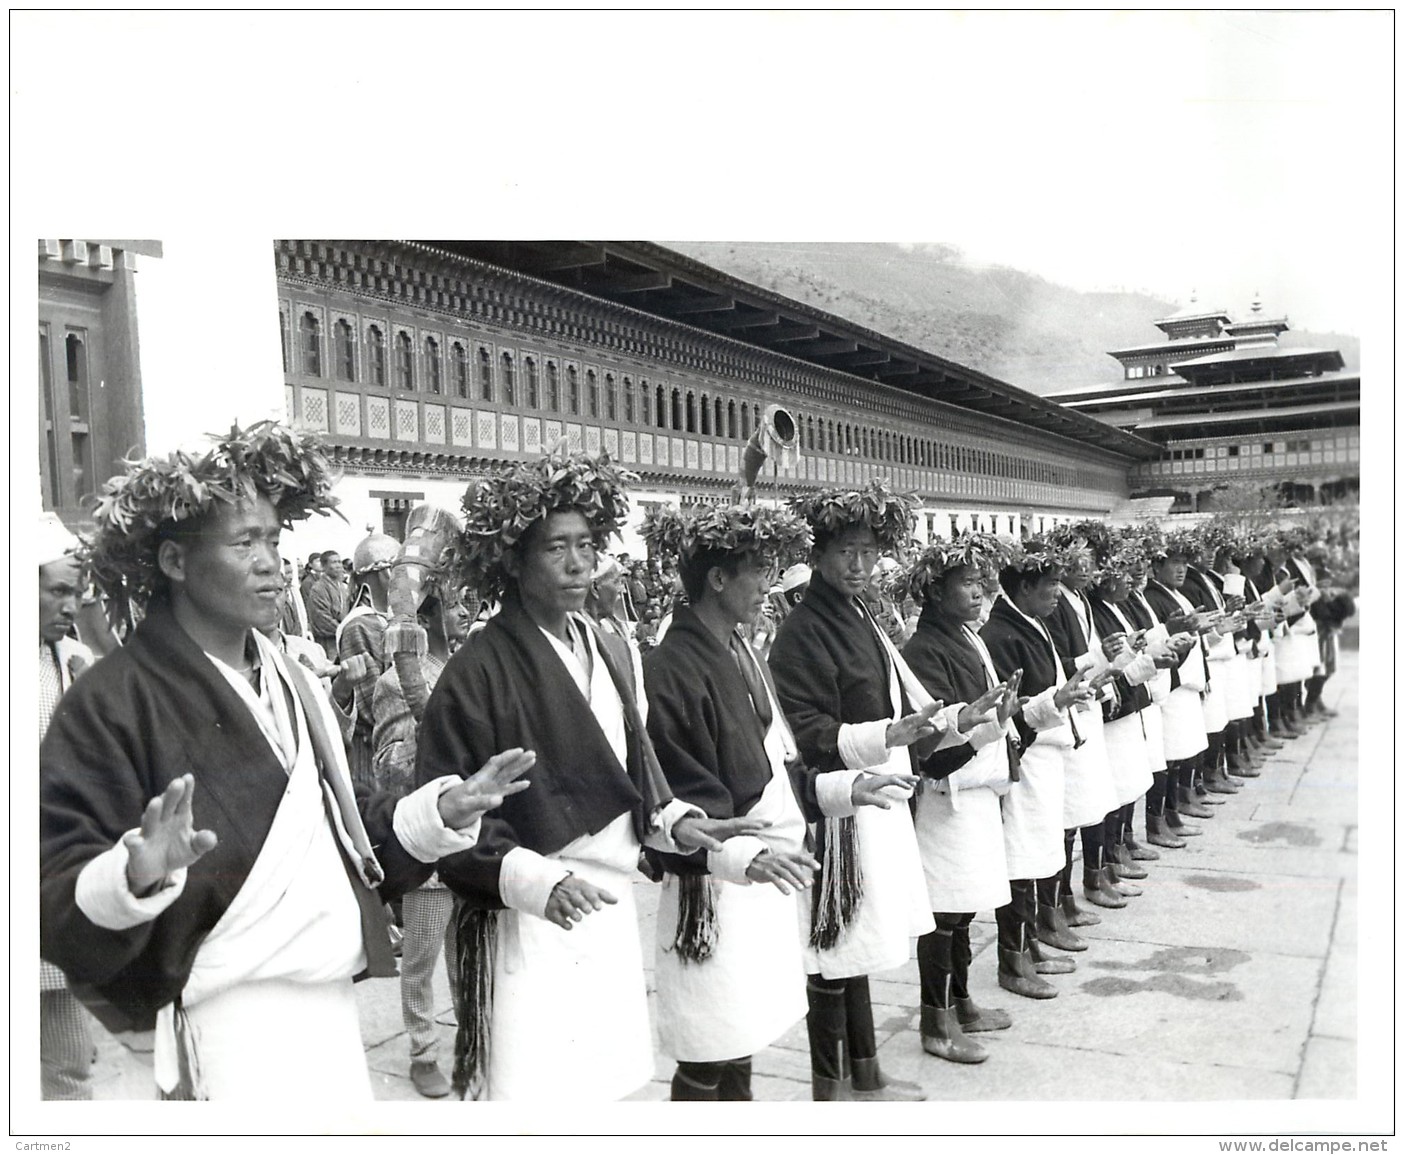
(1186, 734)
(418, 647)
(957, 811)
(861, 720)
(204, 867)
(65, 1042)
(360, 647)
(729, 972)
(1019, 642)
(326, 602)
(548, 942)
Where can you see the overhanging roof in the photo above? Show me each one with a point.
(1178, 387)
(659, 281)
(1241, 415)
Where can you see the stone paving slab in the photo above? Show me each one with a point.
(1188, 1004)
(1337, 1008)
(1193, 907)
(1328, 1069)
(1031, 1072)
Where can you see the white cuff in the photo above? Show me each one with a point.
(664, 819)
(947, 722)
(420, 827)
(731, 862)
(1042, 714)
(984, 734)
(834, 792)
(863, 744)
(103, 894)
(527, 880)
(1141, 671)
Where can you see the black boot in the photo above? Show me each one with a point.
(1188, 805)
(1045, 964)
(1124, 863)
(1053, 930)
(1179, 827)
(941, 1033)
(871, 1085)
(830, 1071)
(1017, 976)
(974, 1019)
(1158, 833)
(696, 1083)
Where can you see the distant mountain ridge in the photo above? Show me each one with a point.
(1013, 325)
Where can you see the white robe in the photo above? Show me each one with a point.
(1088, 795)
(750, 990)
(570, 1010)
(894, 908)
(958, 827)
(1032, 811)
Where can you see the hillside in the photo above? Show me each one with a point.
(1011, 324)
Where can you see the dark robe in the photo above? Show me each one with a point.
(1163, 602)
(1129, 699)
(951, 669)
(153, 710)
(1015, 643)
(704, 726)
(507, 687)
(830, 671)
(1067, 631)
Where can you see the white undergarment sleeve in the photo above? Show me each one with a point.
(420, 827)
(102, 892)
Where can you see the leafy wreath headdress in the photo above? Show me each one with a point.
(134, 512)
(983, 552)
(890, 515)
(728, 529)
(499, 510)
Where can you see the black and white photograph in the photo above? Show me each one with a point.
(893, 631)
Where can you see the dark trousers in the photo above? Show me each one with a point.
(943, 960)
(840, 1024)
(1155, 796)
(729, 1080)
(1017, 920)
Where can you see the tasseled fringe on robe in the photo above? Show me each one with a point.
(190, 1086)
(696, 935)
(475, 947)
(840, 890)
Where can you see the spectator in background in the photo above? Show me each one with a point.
(65, 1040)
(360, 646)
(310, 573)
(326, 605)
(427, 910)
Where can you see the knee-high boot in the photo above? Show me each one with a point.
(941, 1033)
(830, 1062)
(1016, 969)
(869, 1082)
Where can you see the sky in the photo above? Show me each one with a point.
(1222, 152)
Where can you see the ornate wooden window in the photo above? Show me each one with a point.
(311, 331)
(404, 361)
(344, 338)
(484, 373)
(459, 355)
(533, 384)
(509, 380)
(433, 371)
(375, 348)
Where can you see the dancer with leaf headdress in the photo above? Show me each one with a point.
(729, 971)
(861, 719)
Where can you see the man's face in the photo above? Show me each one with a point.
(229, 572)
(334, 569)
(1170, 572)
(58, 599)
(555, 562)
(1078, 574)
(960, 594)
(607, 591)
(848, 560)
(743, 592)
(315, 566)
(456, 620)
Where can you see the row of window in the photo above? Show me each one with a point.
(475, 374)
(1290, 445)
